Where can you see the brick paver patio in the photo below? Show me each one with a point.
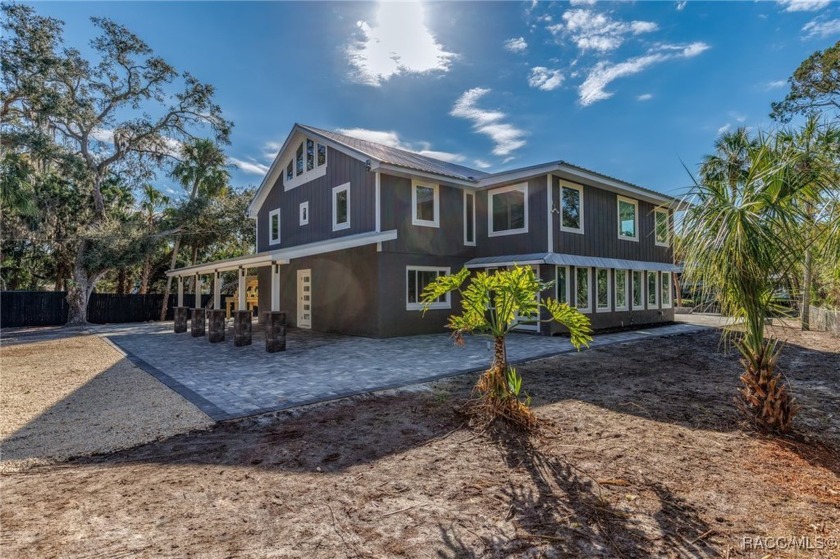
(226, 381)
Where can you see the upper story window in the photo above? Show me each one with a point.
(425, 201)
(308, 162)
(274, 227)
(341, 207)
(662, 229)
(508, 210)
(304, 213)
(571, 208)
(628, 219)
(469, 218)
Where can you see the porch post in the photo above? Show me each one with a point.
(217, 315)
(242, 318)
(241, 304)
(199, 314)
(275, 287)
(180, 312)
(180, 291)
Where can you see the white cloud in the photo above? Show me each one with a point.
(544, 78)
(778, 84)
(251, 167)
(397, 42)
(821, 29)
(590, 30)
(481, 164)
(270, 150)
(644, 97)
(517, 45)
(593, 88)
(505, 136)
(724, 128)
(681, 5)
(392, 139)
(582, 2)
(803, 5)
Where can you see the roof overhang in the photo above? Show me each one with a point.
(285, 255)
(558, 259)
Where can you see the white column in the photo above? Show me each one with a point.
(550, 213)
(217, 291)
(197, 291)
(180, 291)
(242, 306)
(275, 287)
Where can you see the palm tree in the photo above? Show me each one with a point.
(202, 171)
(150, 206)
(730, 162)
(740, 238)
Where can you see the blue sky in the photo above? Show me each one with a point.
(629, 89)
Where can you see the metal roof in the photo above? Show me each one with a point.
(557, 259)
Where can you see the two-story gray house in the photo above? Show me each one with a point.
(349, 232)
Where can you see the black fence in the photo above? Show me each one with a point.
(49, 308)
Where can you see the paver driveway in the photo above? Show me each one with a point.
(226, 381)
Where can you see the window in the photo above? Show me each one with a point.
(322, 155)
(571, 208)
(582, 290)
(274, 227)
(469, 218)
(341, 207)
(417, 278)
(653, 290)
(290, 171)
(299, 159)
(628, 219)
(308, 163)
(304, 213)
(638, 290)
(666, 290)
(621, 290)
(562, 284)
(661, 227)
(508, 213)
(310, 154)
(602, 291)
(425, 200)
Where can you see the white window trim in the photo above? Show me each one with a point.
(490, 193)
(425, 222)
(643, 283)
(608, 308)
(579, 188)
(622, 275)
(635, 203)
(662, 290)
(271, 215)
(557, 284)
(656, 293)
(667, 242)
(472, 195)
(588, 308)
(346, 225)
(419, 306)
(303, 210)
(306, 176)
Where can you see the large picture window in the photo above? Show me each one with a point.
(341, 207)
(662, 229)
(469, 218)
(571, 208)
(628, 219)
(417, 278)
(666, 290)
(274, 227)
(621, 290)
(425, 200)
(508, 213)
(653, 290)
(602, 290)
(638, 290)
(562, 284)
(583, 289)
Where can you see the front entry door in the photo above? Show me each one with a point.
(304, 293)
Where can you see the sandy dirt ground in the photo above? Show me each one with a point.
(73, 396)
(641, 456)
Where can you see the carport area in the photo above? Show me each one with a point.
(226, 381)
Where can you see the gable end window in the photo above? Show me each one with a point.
(341, 207)
(425, 201)
(304, 213)
(571, 207)
(308, 163)
(662, 228)
(508, 210)
(628, 219)
(469, 218)
(417, 278)
(274, 227)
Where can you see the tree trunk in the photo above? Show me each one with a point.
(79, 292)
(806, 292)
(145, 274)
(499, 353)
(122, 281)
(166, 291)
